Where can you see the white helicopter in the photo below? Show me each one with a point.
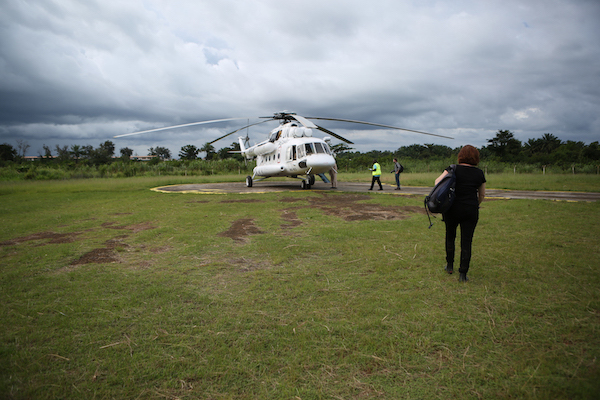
(290, 150)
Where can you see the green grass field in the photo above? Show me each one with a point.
(111, 290)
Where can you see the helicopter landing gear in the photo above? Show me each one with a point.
(311, 180)
(249, 181)
(305, 184)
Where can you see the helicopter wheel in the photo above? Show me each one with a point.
(305, 184)
(249, 181)
(311, 180)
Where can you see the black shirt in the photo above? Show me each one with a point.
(468, 180)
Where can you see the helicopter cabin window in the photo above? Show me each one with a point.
(309, 148)
(319, 148)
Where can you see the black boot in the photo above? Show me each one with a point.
(463, 277)
(449, 269)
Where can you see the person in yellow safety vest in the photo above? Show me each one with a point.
(376, 174)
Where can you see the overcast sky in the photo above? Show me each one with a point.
(81, 72)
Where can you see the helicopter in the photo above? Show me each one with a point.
(290, 150)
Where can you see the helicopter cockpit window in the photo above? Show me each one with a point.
(300, 151)
(274, 136)
(327, 149)
(319, 148)
(309, 148)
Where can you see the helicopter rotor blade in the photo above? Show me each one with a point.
(335, 135)
(380, 125)
(305, 122)
(237, 130)
(178, 126)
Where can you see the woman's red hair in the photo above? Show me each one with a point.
(468, 155)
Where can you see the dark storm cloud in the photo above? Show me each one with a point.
(81, 72)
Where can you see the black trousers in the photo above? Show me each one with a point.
(467, 218)
(376, 179)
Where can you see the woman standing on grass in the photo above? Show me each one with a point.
(470, 192)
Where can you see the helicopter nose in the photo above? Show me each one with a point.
(320, 163)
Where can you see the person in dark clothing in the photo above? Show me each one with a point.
(470, 192)
(397, 170)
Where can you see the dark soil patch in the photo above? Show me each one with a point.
(144, 226)
(248, 265)
(291, 219)
(242, 201)
(160, 250)
(240, 229)
(47, 237)
(105, 255)
(346, 206)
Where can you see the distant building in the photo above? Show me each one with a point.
(142, 158)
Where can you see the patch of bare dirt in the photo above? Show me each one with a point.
(291, 219)
(240, 229)
(45, 237)
(160, 250)
(144, 226)
(243, 201)
(245, 265)
(107, 254)
(347, 207)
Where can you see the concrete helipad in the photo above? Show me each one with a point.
(291, 186)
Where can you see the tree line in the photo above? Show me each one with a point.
(502, 148)
(105, 153)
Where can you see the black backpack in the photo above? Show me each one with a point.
(442, 195)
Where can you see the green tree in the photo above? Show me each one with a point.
(62, 153)
(230, 152)
(209, 149)
(126, 153)
(102, 154)
(162, 152)
(504, 146)
(569, 153)
(76, 152)
(592, 152)
(7, 152)
(87, 151)
(47, 152)
(22, 147)
(189, 152)
(340, 148)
